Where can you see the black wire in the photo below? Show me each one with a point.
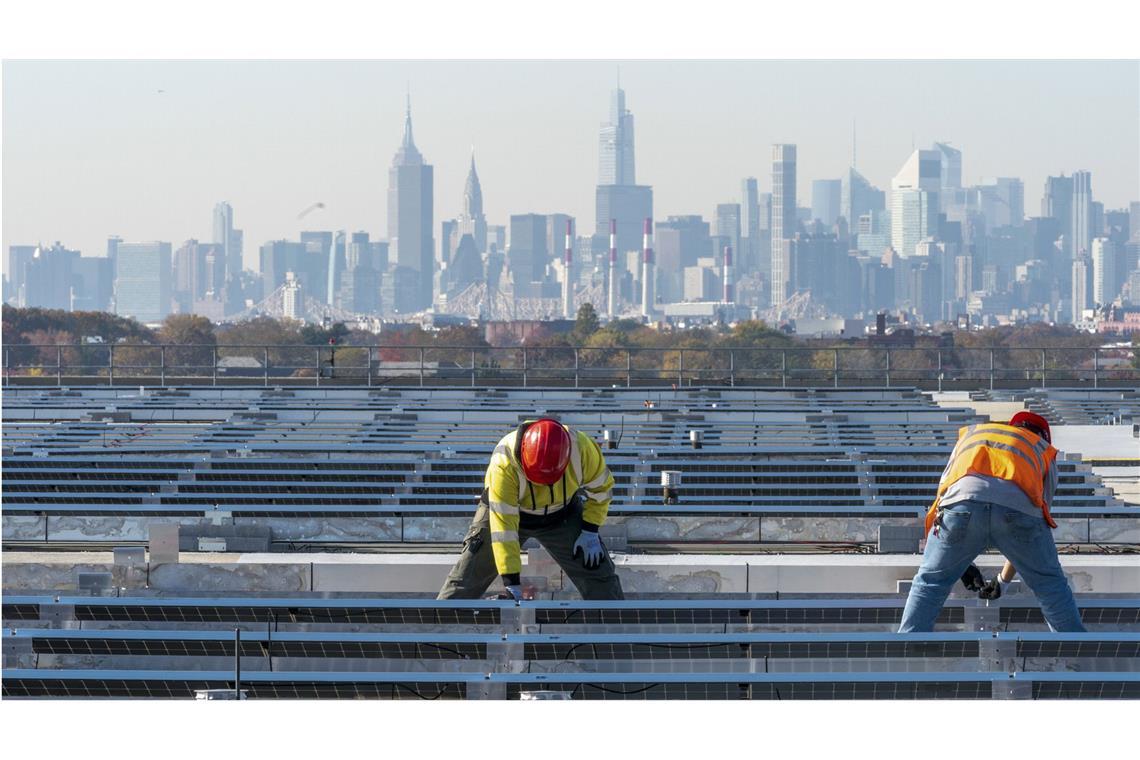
(441, 647)
(421, 696)
(618, 691)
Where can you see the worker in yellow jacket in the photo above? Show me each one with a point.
(548, 482)
(995, 492)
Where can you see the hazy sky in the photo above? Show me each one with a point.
(93, 149)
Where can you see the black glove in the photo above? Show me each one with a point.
(973, 579)
(991, 591)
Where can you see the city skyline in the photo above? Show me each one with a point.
(160, 179)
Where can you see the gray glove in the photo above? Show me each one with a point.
(589, 543)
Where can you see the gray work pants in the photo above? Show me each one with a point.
(475, 570)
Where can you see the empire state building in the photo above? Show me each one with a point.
(410, 221)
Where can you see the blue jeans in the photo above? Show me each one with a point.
(969, 528)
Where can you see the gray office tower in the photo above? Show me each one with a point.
(749, 225)
(619, 197)
(783, 219)
(410, 223)
(857, 197)
(226, 236)
(1083, 231)
(728, 226)
(142, 280)
(825, 201)
(1057, 203)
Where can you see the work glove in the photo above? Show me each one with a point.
(993, 589)
(512, 591)
(973, 579)
(589, 543)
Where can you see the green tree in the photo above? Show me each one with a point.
(586, 324)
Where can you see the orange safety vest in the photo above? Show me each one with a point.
(999, 451)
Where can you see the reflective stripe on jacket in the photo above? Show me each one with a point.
(999, 451)
(510, 494)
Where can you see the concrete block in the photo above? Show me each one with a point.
(692, 528)
(1116, 530)
(235, 577)
(23, 527)
(45, 576)
(1071, 530)
(676, 574)
(436, 529)
(862, 529)
(95, 528)
(332, 529)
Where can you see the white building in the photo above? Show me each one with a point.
(914, 201)
(1104, 282)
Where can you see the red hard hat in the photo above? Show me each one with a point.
(544, 451)
(1033, 421)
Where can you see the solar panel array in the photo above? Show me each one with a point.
(306, 647)
(342, 454)
(74, 458)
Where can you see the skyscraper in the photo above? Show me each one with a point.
(1057, 203)
(783, 219)
(618, 196)
(1083, 231)
(1002, 201)
(749, 226)
(49, 277)
(615, 158)
(526, 251)
(229, 239)
(825, 201)
(857, 197)
(1082, 285)
(410, 222)
(949, 176)
(914, 201)
(142, 280)
(728, 226)
(1104, 282)
(472, 221)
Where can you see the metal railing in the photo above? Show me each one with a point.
(576, 366)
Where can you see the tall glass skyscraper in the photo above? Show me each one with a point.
(410, 222)
(783, 220)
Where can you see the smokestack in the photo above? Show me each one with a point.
(728, 283)
(611, 300)
(649, 278)
(568, 274)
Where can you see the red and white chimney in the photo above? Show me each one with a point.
(649, 272)
(568, 274)
(611, 299)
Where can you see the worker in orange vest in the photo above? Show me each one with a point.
(995, 492)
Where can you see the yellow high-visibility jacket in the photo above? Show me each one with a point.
(999, 451)
(510, 495)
